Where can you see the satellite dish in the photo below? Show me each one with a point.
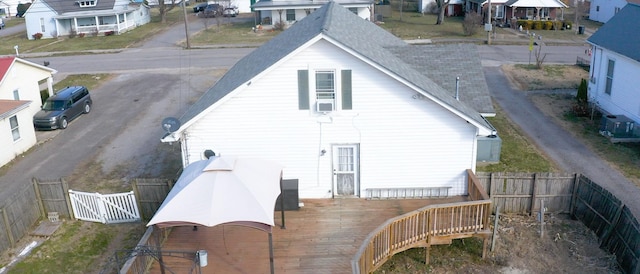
(170, 124)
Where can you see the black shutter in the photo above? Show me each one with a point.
(346, 90)
(303, 89)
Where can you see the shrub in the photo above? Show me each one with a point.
(537, 25)
(548, 25)
(526, 24)
(471, 22)
(81, 35)
(73, 34)
(581, 107)
(109, 33)
(279, 25)
(37, 35)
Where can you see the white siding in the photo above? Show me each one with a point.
(12, 148)
(25, 79)
(32, 18)
(624, 97)
(404, 142)
(603, 10)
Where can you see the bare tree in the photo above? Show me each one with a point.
(442, 7)
(539, 59)
(164, 9)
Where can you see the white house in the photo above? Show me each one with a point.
(455, 7)
(288, 12)
(614, 84)
(9, 8)
(347, 108)
(603, 10)
(19, 100)
(53, 18)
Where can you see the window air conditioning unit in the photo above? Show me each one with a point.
(324, 105)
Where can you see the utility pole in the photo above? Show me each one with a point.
(186, 22)
(488, 26)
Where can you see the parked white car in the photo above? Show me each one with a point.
(230, 12)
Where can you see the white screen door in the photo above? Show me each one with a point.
(345, 170)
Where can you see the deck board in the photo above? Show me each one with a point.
(321, 237)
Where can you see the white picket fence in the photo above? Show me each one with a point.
(104, 208)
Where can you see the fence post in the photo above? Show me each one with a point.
(7, 228)
(572, 204)
(533, 194)
(36, 188)
(136, 193)
(65, 193)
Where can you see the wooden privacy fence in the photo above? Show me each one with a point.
(521, 192)
(430, 225)
(616, 227)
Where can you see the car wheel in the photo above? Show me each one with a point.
(87, 108)
(64, 123)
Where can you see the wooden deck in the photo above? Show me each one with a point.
(321, 237)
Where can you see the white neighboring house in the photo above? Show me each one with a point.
(9, 8)
(614, 84)
(603, 10)
(19, 100)
(335, 99)
(273, 11)
(53, 18)
(455, 7)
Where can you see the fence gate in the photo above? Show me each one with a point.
(106, 209)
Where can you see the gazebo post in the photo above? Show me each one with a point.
(282, 204)
(271, 252)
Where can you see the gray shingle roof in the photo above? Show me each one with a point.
(442, 63)
(342, 26)
(65, 6)
(621, 34)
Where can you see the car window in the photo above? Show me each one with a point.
(53, 105)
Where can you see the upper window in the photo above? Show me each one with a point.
(291, 15)
(325, 90)
(354, 10)
(87, 3)
(331, 88)
(16, 94)
(609, 83)
(15, 131)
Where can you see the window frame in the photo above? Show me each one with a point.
(16, 94)
(290, 15)
(15, 129)
(609, 76)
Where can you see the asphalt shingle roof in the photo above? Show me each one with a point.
(66, 6)
(339, 25)
(621, 34)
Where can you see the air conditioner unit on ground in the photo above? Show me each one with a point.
(324, 105)
(617, 126)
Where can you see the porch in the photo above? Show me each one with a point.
(95, 24)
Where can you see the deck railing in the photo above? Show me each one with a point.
(430, 225)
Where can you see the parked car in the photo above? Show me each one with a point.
(61, 108)
(212, 10)
(230, 12)
(1, 24)
(199, 7)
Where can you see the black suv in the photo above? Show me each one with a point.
(212, 10)
(63, 107)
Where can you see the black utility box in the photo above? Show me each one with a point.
(290, 194)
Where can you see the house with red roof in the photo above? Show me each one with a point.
(20, 99)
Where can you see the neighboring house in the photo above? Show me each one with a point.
(603, 10)
(19, 100)
(507, 11)
(9, 8)
(53, 18)
(271, 12)
(347, 108)
(614, 85)
(455, 7)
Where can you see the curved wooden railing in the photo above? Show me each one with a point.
(430, 225)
